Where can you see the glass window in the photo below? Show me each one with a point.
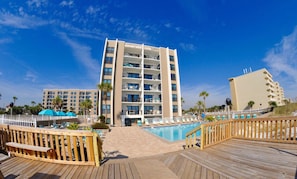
(172, 67)
(134, 86)
(108, 60)
(173, 87)
(147, 86)
(174, 108)
(148, 98)
(133, 75)
(174, 97)
(133, 109)
(147, 76)
(173, 77)
(171, 58)
(106, 108)
(107, 81)
(109, 49)
(148, 109)
(107, 71)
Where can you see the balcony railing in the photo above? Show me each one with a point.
(131, 112)
(131, 100)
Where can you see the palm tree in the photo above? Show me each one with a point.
(86, 105)
(33, 103)
(251, 104)
(105, 88)
(0, 95)
(57, 102)
(199, 105)
(204, 94)
(14, 99)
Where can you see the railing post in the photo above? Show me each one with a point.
(202, 137)
(96, 152)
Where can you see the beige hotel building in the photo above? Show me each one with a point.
(145, 81)
(71, 98)
(257, 86)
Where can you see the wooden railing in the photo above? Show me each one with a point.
(71, 146)
(280, 129)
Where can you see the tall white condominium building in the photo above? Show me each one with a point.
(145, 82)
(71, 99)
(256, 86)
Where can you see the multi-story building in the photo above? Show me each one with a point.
(257, 86)
(145, 82)
(71, 98)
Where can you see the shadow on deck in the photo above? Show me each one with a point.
(231, 159)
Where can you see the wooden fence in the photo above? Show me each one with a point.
(278, 129)
(71, 146)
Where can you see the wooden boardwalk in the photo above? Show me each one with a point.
(231, 159)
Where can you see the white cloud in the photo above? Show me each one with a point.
(92, 10)
(217, 95)
(187, 46)
(30, 76)
(5, 41)
(20, 22)
(282, 63)
(66, 3)
(36, 3)
(82, 54)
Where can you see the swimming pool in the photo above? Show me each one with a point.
(173, 133)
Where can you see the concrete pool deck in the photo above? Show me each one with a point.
(133, 142)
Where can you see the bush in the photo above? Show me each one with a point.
(100, 125)
(209, 118)
(73, 126)
(101, 118)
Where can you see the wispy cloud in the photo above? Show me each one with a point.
(5, 41)
(82, 53)
(187, 46)
(30, 76)
(20, 22)
(36, 3)
(217, 95)
(282, 63)
(66, 3)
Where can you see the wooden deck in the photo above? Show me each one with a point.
(231, 159)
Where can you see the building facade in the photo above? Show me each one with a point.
(145, 82)
(257, 86)
(71, 98)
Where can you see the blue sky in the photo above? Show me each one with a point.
(48, 44)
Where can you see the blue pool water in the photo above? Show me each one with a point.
(173, 133)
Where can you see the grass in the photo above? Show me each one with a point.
(284, 110)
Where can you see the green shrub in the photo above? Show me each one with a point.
(209, 118)
(100, 125)
(73, 126)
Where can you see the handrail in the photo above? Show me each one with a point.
(71, 146)
(277, 129)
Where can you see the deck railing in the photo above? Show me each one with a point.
(71, 146)
(280, 129)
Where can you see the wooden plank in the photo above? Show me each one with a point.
(70, 172)
(28, 147)
(69, 151)
(63, 151)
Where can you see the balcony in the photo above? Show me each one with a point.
(152, 112)
(131, 112)
(152, 100)
(136, 100)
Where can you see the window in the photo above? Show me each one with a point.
(107, 71)
(174, 97)
(148, 109)
(172, 67)
(148, 98)
(133, 109)
(171, 58)
(147, 86)
(107, 96)
(173, 87)
(174, 108)
(107, 81)
(109, 49)
(147, 76)
(133, 86)
(106, 109)
(133, 98)
(108, 60)
(173, 77)
(133, 75)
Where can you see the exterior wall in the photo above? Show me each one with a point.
(141, 81)
(71, 98)
(255, 86)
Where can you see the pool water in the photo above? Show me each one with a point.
(173, 133)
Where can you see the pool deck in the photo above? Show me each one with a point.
(133, 142)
